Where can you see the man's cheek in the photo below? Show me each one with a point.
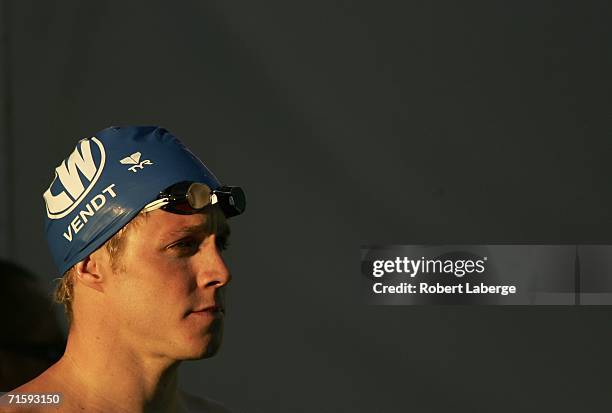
(136, 301)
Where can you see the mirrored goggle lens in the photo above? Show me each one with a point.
(198, 195)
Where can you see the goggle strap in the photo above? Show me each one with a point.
(158, 203)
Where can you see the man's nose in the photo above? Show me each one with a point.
(212, 271)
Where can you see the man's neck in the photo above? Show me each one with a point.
(104, 376)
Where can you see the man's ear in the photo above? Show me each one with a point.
(89, 272)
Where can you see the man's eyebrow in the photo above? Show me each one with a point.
(222, 229)
(190, 229)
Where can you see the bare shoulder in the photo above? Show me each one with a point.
(195, 404)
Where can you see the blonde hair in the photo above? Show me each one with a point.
(64, 290)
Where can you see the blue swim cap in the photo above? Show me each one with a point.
(107, 180)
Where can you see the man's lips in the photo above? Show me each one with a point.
(212, 309)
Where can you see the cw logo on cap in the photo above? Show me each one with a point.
(80, 164)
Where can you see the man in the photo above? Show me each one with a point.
(136, 223)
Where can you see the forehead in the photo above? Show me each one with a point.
(159, 223)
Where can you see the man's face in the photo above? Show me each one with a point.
(167, 292)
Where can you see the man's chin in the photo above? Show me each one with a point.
(205, 349)
(201, 344)
(206, 353)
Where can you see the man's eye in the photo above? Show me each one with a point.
(186, 246)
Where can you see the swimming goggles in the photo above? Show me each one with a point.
(190, 197)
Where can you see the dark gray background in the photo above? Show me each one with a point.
(348, 123)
